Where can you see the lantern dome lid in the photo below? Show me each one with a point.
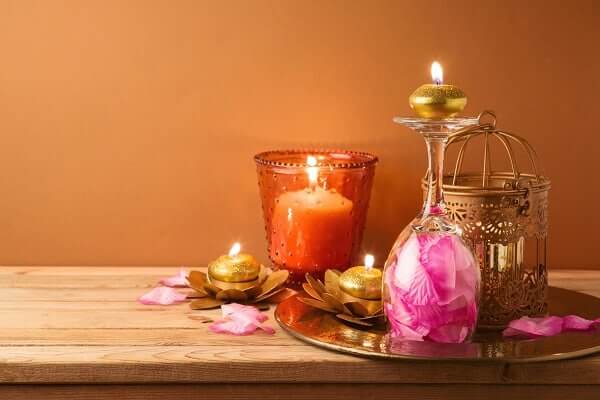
(489, 180)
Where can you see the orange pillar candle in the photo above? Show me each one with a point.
(311, 228)
(314, 205)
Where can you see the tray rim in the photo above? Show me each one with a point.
(390, 356)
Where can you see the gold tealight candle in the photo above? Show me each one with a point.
(362, 284)
(235, 270)
(437, 100)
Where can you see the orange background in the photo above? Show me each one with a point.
(128, 127)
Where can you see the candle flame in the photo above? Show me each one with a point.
(369, 261)
(312, 170)
(437, 73)
(235, 249)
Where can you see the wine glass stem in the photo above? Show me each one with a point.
(434, 202)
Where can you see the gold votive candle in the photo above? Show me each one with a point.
(437, 100)
(362, 284)
(235, 270)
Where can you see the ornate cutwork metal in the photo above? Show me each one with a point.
(504, 218)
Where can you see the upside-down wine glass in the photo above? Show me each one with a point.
(431, 279)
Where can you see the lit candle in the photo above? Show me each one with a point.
(363, 282)
(235, 270)
(437, 100)
(311, 228)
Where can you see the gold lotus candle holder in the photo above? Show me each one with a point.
(353, 296)
(236, 277)
(504, 218)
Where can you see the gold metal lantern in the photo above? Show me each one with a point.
(504, 218)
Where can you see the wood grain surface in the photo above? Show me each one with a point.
(78, 333)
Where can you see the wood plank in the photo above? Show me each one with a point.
(76, 294)
(296, 391)
(258, 363)
(92, 270)
(176, 317)
(137, 337)
(80, 281)
(118, 364)
(90, 284)
(83, 325)
(145, 277)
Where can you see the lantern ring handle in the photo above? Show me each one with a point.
(483, 116)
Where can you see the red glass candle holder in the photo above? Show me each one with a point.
(315, 206)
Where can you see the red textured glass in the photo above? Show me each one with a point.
(314, 214)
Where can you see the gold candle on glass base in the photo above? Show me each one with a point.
(437, 100)
(362, 284)
(234, 271)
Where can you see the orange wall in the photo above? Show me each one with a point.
(128, 127)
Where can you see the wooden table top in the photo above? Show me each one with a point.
(75, 326)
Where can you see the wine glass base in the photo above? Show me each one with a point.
(428, 126)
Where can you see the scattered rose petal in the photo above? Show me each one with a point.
(240, 320)
(432, 285)
(178, 280)
(162, 295)
(577, 323)
(547, 326)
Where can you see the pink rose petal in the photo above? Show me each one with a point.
(162, 295)
(467, 271)
(574, 322)
(178, 280)
(406, 333)
(240, 320)
(437, 257)
(412, 277)
(548, 326)
(454, 333)
(404, 321)
(432, 285)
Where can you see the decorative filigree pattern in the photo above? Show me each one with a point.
(498, 229)
(504, 218)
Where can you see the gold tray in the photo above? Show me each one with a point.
(324, 330)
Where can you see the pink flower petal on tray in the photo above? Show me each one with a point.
(162, 295)
(525, 326)
(548, 326)
(178, 280)
(240, 320)
(575, 322)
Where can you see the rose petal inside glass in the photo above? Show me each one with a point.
(431, 289)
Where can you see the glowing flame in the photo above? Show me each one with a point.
(437, 73)
(369, 261)
(235, 249)
(312, 170)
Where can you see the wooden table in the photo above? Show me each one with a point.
(78, 333)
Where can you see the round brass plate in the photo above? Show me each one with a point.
(324, 330)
